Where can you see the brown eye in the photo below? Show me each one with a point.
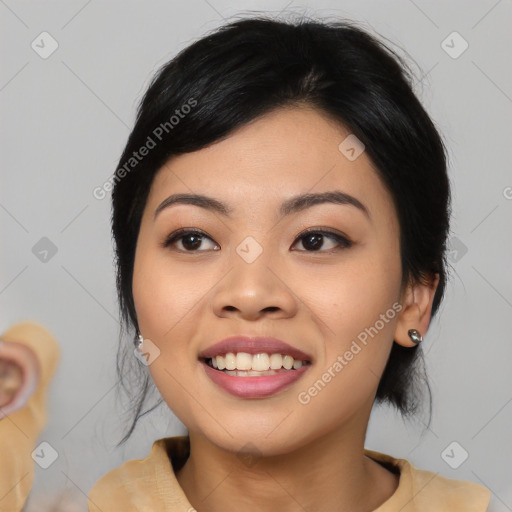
(190, 240)
(314, 240)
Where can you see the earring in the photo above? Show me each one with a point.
(415, 336)
(139, 340)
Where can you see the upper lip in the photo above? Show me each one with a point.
(253, 345)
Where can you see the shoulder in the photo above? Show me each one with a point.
(140, 484)
(121, 484)
(425, 491)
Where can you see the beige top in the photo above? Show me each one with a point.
(150, 485)
(20, 430)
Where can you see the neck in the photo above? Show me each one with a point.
(329, 473)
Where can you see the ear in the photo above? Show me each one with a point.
(417, 310)
(19, 376)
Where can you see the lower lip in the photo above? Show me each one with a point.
(254, 387)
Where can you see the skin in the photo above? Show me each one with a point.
(304, 456)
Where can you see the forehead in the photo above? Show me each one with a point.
(287, 152)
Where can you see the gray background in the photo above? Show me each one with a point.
(65, 120)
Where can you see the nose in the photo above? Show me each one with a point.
(254, 290)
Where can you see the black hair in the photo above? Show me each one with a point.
(253, 66)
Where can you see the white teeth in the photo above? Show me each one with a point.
(260, 362)
(250, 373)
(242, 361)
(230, 361)
(276, 361)
(288, 362)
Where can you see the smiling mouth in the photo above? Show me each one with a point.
(242, 364)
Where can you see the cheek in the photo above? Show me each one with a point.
(357, 307)
(169, 300)
(165, 300)
(350, 297)
(164, 293)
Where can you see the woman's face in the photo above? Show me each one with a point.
(256, 272)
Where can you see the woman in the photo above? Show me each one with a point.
(280, 214)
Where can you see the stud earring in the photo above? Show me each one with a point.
(139, 340)
(415, 336)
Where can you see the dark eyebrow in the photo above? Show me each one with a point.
(292, 205)
(208, 203)
(299, 203)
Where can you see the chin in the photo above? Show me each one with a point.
(255, 440)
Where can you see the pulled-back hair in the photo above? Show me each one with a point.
(250, 67)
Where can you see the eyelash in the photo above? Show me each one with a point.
(342, 240)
